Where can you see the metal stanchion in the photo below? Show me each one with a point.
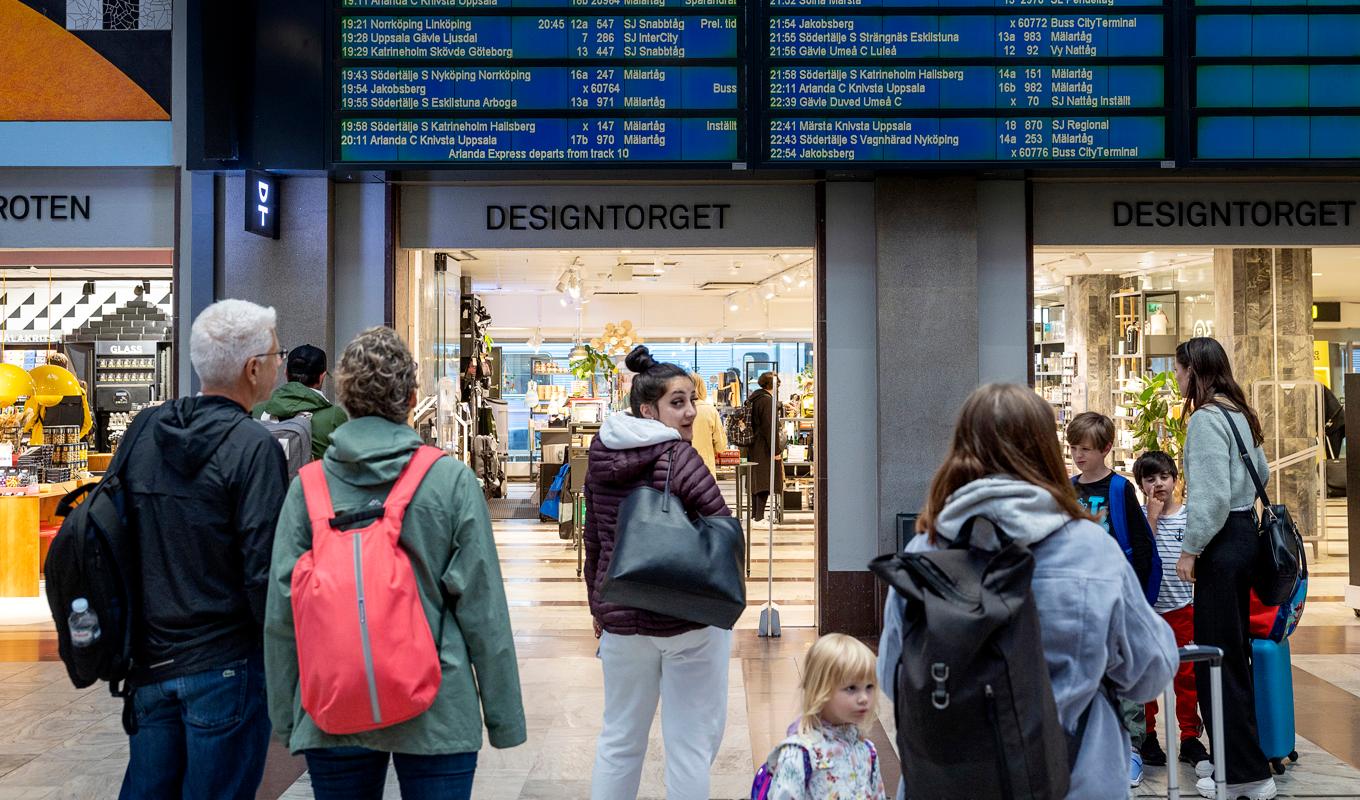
(769, 615)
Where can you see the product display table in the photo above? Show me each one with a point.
(21, 521)
(99, 462)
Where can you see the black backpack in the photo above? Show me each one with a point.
(95, 556)
(975, 710)
(741, 431)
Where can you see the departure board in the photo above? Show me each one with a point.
(474, 82)
(910, 81)
(1276, 83)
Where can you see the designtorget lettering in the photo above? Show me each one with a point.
(1233, 213)
(20, 207)
(604, 217)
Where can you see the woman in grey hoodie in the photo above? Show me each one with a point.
(1219, 548)
(1005, 465)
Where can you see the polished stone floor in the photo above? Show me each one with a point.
(57, 742)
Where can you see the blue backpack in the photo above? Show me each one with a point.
(1119, 526)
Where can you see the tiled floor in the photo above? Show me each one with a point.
(57, 742)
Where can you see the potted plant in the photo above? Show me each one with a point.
(591, 362)
(1156, 408)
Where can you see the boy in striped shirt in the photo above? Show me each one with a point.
(1156, 475)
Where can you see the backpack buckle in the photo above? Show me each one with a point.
(939, 698)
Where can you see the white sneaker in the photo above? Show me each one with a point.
(1256, 790)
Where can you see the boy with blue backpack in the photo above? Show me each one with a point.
(1113, 501)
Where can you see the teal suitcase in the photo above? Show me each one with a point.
(1274, 701)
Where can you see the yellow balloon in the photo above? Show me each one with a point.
(14, 383)
(53, 383)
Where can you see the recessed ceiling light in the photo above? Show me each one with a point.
(1317, 274)
(626, 252)
(1182, 255)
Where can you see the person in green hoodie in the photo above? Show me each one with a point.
(302, 394)
(446, 533)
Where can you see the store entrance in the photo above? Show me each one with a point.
(528, 346)
(1106, 323)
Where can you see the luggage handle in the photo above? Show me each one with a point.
(1191, 654)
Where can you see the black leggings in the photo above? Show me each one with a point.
(1222, 595)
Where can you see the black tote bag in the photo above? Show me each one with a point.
(667, 563)
(1279, 547)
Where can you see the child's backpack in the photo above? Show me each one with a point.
(975, 710)
(760, 787)
(740, 431)
(1277, 623)
(1118, 526)
(95, 557)
(294, 435)
(366, 657)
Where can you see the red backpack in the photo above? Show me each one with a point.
(366, 657)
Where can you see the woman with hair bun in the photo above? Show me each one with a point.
(648, 656)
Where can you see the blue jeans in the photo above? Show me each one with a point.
(200, 736)
(356, 773)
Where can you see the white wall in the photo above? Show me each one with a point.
(656, 316)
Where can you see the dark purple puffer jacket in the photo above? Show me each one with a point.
(612, 476)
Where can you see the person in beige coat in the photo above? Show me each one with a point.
(709, 436)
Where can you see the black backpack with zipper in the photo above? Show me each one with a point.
(95, 556)
(975, 710)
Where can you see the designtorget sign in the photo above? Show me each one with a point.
(1161, 213)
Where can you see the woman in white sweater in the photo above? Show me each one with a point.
(1218, 551)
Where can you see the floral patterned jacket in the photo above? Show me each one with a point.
(843, 765)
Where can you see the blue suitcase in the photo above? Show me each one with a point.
(1274, 701)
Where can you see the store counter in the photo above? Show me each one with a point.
(22, 544)
(99, 462)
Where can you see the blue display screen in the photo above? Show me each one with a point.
(975, 36)
(538, 37)
(1078, 81)
(496, 88)
(535, 82)
(1276, 81)
(852, 139)
(537, 139)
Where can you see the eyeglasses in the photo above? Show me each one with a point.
(279, 354)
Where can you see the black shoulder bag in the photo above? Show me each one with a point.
(666, 563)
(1279, 547)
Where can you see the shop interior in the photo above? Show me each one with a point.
(522, 354)
(85, 344)
(1106, 322)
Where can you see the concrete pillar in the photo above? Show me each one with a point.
(360, 260)
(1005, 266)
(1264, 320)
(927, 332)
(292, 273)
(1089, 336)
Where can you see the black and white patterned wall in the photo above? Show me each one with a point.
(118, 15)
(28, 313)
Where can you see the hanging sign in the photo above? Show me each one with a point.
(262, 204)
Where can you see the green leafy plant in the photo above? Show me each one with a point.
(1156, 409)
(592, 363)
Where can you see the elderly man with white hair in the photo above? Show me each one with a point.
(206, 485)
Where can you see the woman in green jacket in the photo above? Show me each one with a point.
(446, 533)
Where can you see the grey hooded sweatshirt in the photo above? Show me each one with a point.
(1095, 620)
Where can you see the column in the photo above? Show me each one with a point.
(1089, 336)
(1264, 320)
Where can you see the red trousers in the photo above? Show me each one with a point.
(1182, 622)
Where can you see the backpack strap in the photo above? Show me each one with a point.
(318, 496)
(1119, 522)
(399, 496)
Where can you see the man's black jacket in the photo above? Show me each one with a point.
(206, 484)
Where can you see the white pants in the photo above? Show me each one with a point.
(688, 673)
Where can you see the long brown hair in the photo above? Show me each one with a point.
(1003, 429)
(1210, 376)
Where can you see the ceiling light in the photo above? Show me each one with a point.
(769, 292)
(1086, 262)
(1182, 255)
(626, 252)
(563, 301)
(1317, 274)
(578, 352)
(787, 278)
